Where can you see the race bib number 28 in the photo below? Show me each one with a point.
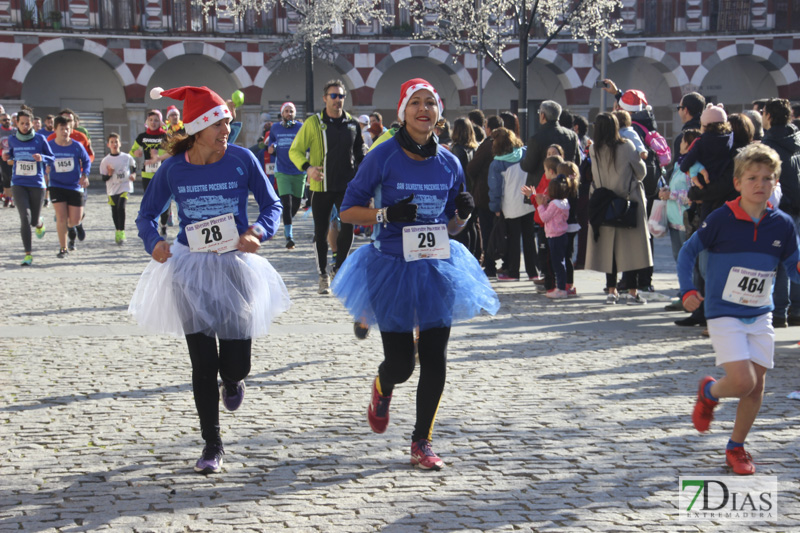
(748, 287)
(426, 242)
(217, 234)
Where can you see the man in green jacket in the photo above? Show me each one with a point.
(329, 148)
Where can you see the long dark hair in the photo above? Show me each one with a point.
(178, 143)
(606, 136)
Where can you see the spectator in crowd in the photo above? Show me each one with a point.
(549, 133)
(757, 120)
(783, 137)
(617, 166)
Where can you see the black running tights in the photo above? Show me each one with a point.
(118, 203)
(233, 364)
(290, 205)
(398, 365)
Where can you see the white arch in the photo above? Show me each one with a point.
(56, 45)
(569, 78)
(461, 77)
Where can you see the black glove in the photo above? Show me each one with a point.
(402, 211)
(465, 204)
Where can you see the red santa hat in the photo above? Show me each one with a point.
(633, 101)
(288, 104)
(409, 88)
(202, 107)
(173, 110)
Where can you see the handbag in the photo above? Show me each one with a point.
(621, 212)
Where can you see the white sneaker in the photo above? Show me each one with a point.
(556, 294)
(612, 299)
(324, 285)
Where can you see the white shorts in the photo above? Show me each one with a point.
(734, 340)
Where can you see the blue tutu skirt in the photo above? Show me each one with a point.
(383, 289)
(230, 296)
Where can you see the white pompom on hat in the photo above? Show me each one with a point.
(633, 100)
(202, 107)
(713, 113)
(409, 88)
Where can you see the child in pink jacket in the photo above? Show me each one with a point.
(554, 211)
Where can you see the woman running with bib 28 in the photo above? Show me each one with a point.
(210, 284)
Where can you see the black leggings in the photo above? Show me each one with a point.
(398, 365)
(29, 201)
(118, 203)
(290, 205)
(321, 206)
(233, 365)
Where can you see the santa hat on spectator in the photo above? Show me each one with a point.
(173, 110)
(713, 113)
(288, 104)
(409, 88)
(633, 101)
(202, 107)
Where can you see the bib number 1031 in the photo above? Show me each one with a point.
(425, 242)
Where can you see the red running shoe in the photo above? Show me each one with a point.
(422, 456)
(704, 408)
(378, 410)
(740, 461)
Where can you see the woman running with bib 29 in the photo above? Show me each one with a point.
(412, 274)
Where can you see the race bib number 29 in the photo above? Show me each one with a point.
(752, 288)
(217, 234)
(425, 242)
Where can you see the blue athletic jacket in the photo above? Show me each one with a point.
(741, 253)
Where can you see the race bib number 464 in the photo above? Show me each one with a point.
(217, 234)
(426, 242)
(748, 287)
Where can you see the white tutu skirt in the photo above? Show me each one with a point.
(384, 289)
(230, 296)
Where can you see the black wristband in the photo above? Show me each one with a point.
(305, 166)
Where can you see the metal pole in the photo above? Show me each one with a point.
(480, 80)
(603, 75)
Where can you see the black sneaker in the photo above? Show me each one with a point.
(361, 330)
(289, 244)
(71, 245)
(62, 254)
(211, 460)
(81, 233)
(232, 395)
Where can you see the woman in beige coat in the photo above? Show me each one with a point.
(617, 166)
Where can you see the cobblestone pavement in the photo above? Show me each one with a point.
(567, 416)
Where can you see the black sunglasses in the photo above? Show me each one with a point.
(334, 96)
(681, 107)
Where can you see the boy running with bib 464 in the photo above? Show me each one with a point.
(746, 239)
